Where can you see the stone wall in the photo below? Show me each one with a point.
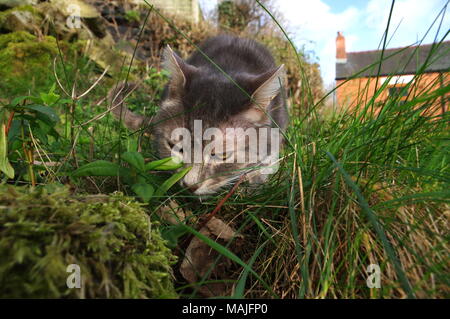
(188, 9)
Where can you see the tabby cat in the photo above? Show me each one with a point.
(236, 86)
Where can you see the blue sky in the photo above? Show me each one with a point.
(313, 24)
(338, 6)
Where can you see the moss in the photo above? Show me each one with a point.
(43, 231)
(20, 18)
(25, 62)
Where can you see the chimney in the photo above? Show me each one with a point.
(341, 55)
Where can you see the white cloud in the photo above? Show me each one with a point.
(315, 26)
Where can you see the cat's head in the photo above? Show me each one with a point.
(209, 121)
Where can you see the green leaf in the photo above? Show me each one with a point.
(40, 135)
(98, 168)
(135, 159)
(45, 110)
(165, 164)
(16, 101)
(5, 166)
(53, 133)
(41, 117)
(152, 165)
(170, 181)
(65, 101)
(14, 130)
(50, 97)
(144, 191)
(169, 166)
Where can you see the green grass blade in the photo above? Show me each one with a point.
(171, 181)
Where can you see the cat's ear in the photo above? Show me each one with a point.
(267, 85)
(265, 88)
(179, 70)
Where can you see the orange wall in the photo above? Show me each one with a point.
(359, 91)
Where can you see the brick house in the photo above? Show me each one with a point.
(356, 74)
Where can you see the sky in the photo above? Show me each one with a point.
(313, 25)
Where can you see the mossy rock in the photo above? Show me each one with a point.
(15, 3)
(43, 231)
(25, 62)
(22, 18)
